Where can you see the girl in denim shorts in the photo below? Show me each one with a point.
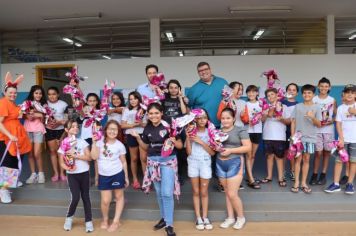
(229, 167)
(199, 169)
(34, 125)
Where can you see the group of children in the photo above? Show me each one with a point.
(314, 118)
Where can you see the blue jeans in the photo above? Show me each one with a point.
(164, 189)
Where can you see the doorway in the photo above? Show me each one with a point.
(54, 75)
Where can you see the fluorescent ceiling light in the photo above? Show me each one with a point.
(180, 53)
(244, 52)
(71, 41)
(106, 57)
(73, 17)
(258, 34)
(68, 40)
(169, 36)
(352, 36)
(259, 9)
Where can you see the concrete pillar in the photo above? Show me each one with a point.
(330, 29)
(155, 38)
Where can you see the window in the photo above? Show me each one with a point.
(345, 35)
(124, 40)
(242, 37)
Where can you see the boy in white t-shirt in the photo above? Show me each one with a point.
(346, 129)
(325, 134)
(274, 136)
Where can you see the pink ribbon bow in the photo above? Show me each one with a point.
(68, 144)
(159, 81)
(146, 101)
(296, 146)
(216, 136)
(107, 92)
(344, 156)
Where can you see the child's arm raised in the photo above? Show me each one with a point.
(183, 106)
(204, 145)
(314, 120)
(142, 144)
(188, 145)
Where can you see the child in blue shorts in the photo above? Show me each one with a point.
(305, 119)
(199, 169)
(112, 168)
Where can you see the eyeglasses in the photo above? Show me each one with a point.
(113, 130)
(204, 69)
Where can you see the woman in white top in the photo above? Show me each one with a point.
(110, 154)
(130, 123)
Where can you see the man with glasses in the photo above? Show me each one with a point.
(206, 93)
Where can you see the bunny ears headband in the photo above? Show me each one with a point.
(9, 83)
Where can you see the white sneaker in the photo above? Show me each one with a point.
(227, 223)
(19, 184)
(41, 178)
(5, 196)
(32, 179)
(207, 224)
(199, 224)
(68, 223)
(240, 222)
(89, 227)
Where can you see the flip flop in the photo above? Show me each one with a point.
(254, 185)
(294, 190)
(265, 181)
(282, 183)
(306, 190)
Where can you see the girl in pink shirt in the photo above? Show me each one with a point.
(34, 125)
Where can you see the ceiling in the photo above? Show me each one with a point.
(30, 14)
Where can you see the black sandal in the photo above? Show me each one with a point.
(306, 190)
(254, 185)
(265, 181)
(282, 183)
(294, 190)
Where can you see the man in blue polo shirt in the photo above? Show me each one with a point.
(206, 93)
(148, 89)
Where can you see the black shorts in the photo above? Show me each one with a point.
(89, 141)
(131, 141)
(275, 147)
(255, 137)
(52, 134)
(9, 160)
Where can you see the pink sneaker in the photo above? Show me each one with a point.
(63, 178)
(54, 178)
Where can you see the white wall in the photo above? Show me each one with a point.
(128, 73)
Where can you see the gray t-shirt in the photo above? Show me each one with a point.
(234, 139)
(304, 124)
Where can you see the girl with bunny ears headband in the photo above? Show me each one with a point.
(9, 83)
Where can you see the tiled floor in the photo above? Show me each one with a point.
(45, 226)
